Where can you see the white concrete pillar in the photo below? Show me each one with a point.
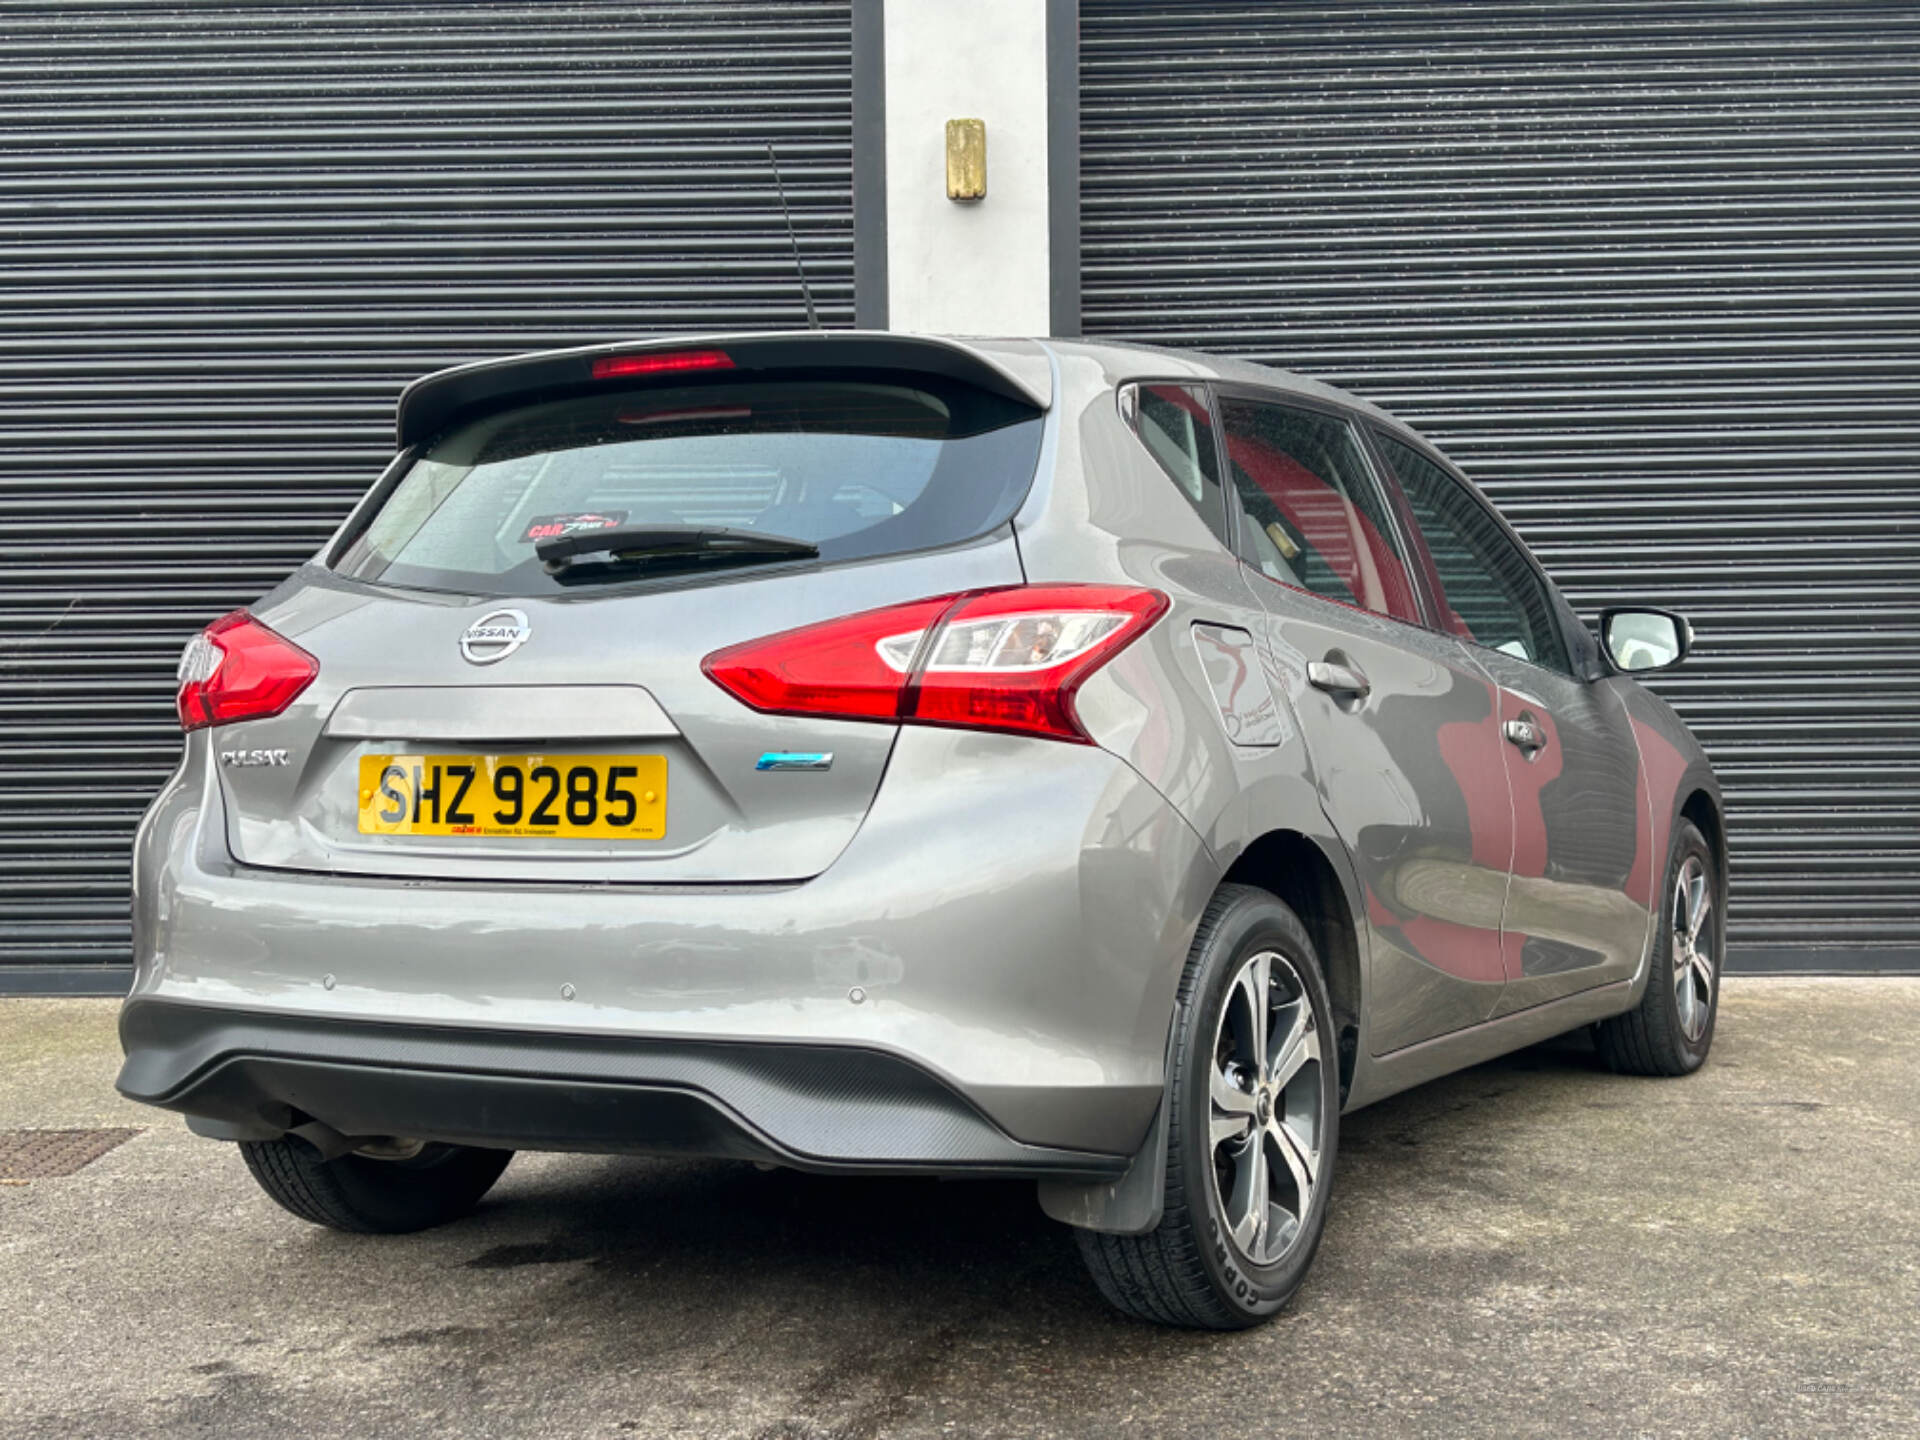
(1004, 265)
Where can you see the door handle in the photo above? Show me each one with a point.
(1338, 677)
(1527, 735)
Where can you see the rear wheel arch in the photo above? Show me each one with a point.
(1297, 870)
(1202, 1254)
(1294, 868)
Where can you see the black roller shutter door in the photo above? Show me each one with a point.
(1651, 274)
(230, 232)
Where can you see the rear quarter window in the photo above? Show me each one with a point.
(1175, 424)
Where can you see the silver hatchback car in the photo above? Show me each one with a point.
(889, 754)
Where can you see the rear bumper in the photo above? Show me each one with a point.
(811, 1107)
(1000, 943)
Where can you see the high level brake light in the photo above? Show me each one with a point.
(238, 669)
(1006, 659)
(615, 367)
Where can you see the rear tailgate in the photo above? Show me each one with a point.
(595, 748)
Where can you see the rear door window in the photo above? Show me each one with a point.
(1310, 515)
(859, 467)
(1485, 588)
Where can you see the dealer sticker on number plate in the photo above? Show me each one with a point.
(585, 797)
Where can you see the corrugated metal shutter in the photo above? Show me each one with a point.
(1651, 274)
(229, 232)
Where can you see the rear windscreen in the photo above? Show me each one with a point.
(858, 467)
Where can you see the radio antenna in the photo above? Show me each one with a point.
(806, 292)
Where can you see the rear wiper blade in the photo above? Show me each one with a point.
(640, 542)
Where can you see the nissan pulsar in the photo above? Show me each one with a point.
(894, 755)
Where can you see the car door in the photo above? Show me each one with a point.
(1403, 728)
(1576, 912)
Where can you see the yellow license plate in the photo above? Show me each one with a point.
(583, 797)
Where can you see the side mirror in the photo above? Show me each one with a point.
(1638, 640)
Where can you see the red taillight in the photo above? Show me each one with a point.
(987, 660)
(614, 367)
(834, 668)
(238, 669)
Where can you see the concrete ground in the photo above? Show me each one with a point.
(1531, 1248)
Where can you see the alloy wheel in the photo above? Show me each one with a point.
(1693, 948)
(1264, 1107)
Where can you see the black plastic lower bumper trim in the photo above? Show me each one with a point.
(814, 1107)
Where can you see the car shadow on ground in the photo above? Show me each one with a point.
(684, 1232)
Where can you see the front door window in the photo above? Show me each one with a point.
(1484, 588)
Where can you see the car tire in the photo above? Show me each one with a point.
(364, 1195)
(1200, 1267)
(1670, 1031)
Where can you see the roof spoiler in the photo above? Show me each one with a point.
(1018, 370)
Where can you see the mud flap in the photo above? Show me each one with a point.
(1132, 1204)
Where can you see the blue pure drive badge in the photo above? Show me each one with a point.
(795, 760)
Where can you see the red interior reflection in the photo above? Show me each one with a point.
(1344, 539)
